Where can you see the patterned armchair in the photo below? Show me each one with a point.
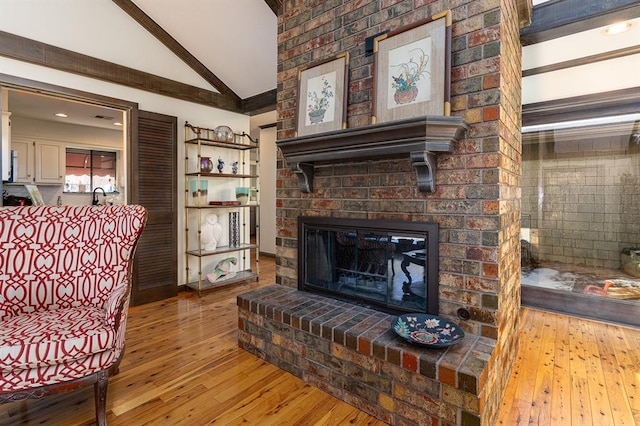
(64, 297)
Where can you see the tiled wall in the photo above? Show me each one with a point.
(477, 197)
(584, 206)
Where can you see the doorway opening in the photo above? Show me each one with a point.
(45, 119)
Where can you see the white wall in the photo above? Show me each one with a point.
(72, 134)
(268, 158)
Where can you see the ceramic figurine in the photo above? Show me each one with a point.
(223, 271)
(220, 164)
(234, 167)
(210, 232)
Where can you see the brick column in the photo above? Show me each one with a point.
(477, 198)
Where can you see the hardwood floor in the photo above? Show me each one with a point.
(572, 371)
(183, 366)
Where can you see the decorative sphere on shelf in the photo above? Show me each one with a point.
(223, 134)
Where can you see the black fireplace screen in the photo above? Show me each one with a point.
(387, 264)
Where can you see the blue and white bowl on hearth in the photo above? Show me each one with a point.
(427, 330)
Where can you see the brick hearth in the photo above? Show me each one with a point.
(350, 352)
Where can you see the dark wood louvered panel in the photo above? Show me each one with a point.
(154, 249)
(155, 174)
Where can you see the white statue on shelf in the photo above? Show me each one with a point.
(210, 232)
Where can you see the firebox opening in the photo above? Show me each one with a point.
(389, 265)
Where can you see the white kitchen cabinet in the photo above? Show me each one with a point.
(50, 162)
(40, 162)
(24, 150)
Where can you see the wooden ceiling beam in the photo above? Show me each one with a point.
(275, 5)
(561, 18)
(172, 44)
(260, 103)
(35, 52)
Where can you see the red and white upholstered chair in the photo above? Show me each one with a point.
(65, 275)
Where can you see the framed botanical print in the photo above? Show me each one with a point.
(412, 70)
(322, 96)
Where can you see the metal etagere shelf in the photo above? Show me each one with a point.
(222, 208)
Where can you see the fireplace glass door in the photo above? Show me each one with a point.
(384, 268)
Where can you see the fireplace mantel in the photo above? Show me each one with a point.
(420, 138)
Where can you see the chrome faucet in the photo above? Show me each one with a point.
(94, 201)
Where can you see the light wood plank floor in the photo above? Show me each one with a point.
(183, 366)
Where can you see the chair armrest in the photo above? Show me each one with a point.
(114, 304)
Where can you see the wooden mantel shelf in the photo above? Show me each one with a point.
(420, 138)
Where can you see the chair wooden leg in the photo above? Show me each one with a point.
(115, 368)
(100, 394)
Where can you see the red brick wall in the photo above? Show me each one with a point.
(477, 198)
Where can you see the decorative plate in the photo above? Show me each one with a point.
(427, 330)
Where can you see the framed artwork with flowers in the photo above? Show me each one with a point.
(412, 70)
(322, 96)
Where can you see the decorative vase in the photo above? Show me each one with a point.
(406, 96)
(234, 229)
(242, 194)
(220, 164)
(206, 165)
(317, 116)
(204, 192)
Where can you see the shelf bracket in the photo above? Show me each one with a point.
(304, 171)
(424, 163)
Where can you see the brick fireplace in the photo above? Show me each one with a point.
(346, 349)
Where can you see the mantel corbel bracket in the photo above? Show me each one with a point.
(304, 171)
(424, 163)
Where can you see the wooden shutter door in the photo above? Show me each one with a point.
(154, 176)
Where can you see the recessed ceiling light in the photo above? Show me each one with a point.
(117, 124)
(61, 115)
(618, 28)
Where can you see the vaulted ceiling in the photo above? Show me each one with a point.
(228, 46)
(233, 47)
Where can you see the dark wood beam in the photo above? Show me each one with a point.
(617, 102)
(35, 52)
(275, 5)
(172, 44)
(606, 56)
(260, 103)
(560, 18)
(20, 83)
